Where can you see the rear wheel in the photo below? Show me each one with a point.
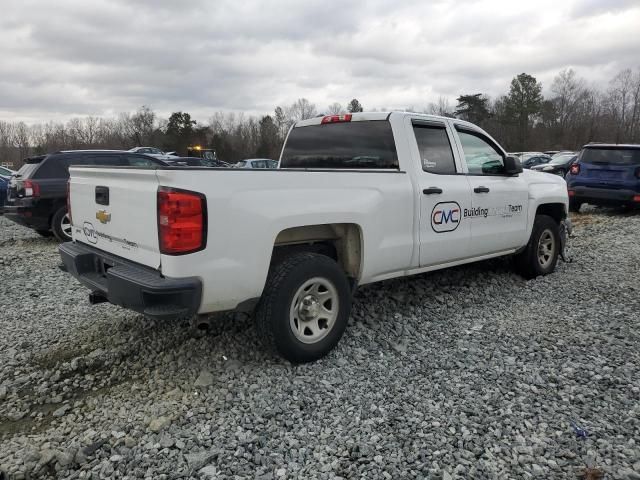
(541, 254)
(61, 225)
(305, 306)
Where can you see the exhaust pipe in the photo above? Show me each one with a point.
(97, 297)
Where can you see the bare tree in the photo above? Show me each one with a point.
(301, 109)
(335, 109)
(441, 107)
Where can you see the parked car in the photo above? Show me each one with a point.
(257, 163)
(357, 198)
(37, 192)
(197, 162)
(605, 174)
(4, 182)
(6, 172)
(531, 159)
(559, 164)
(153, 152)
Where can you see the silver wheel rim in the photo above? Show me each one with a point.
(314, 310)
(65, 225)
(546, 248)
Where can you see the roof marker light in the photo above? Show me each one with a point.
(336, 118)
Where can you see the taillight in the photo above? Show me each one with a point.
(571, 193)
(30, 188)
(69, 201)
(336, 118)
(575, 169)
(182, 221)
(636, 198)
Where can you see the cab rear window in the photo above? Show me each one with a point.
(347, 145)
(611, 156)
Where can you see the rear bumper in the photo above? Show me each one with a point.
(131, 285)
(602, 195)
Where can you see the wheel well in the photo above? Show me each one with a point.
(340, 241)
(554, 210)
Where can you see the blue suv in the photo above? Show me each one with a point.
(605, 174)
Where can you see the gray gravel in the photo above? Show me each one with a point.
(468, 373)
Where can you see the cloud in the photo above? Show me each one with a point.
(73, 57)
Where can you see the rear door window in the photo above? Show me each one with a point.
(114, 160)
(348, 145)
(435, 149)
(611, 156)
(139, 161)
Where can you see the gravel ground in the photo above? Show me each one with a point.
(467, 373)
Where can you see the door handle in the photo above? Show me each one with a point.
(481, 189)
(431, 190)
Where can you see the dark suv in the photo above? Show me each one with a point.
(36, 196)
(605, 174)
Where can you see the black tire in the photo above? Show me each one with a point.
(574, 206)
(531, 263)
(44, 233)
(57, 225)
(274, 316)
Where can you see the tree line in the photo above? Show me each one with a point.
(522, 119)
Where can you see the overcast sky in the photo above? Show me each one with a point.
(100, 57)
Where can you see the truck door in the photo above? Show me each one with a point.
(499, 215)
(444, 194)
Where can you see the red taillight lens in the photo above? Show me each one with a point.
(571, 193)
(31, 188)
(636, 198)
(69, 201)
(336, 118)
(182, 221)
(575, 169)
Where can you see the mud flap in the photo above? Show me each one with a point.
(565, 233)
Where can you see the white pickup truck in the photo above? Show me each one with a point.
(356, 199)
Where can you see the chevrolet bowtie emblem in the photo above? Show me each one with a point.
(103, 216)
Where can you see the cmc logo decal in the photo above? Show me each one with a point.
(445, 217)
(90, 233)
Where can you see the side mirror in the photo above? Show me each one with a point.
(512, 166)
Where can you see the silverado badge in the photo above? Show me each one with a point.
(103, 216)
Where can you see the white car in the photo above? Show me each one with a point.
(153, 152)
(356, 199)
(6, 172)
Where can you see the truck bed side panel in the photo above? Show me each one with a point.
(247, 210)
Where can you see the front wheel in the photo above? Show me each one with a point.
(541, 253)
(305, 307)
(61, 225)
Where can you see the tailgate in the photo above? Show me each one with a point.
(115, 210)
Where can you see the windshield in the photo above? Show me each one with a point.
(365, 144)
(611, 156)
